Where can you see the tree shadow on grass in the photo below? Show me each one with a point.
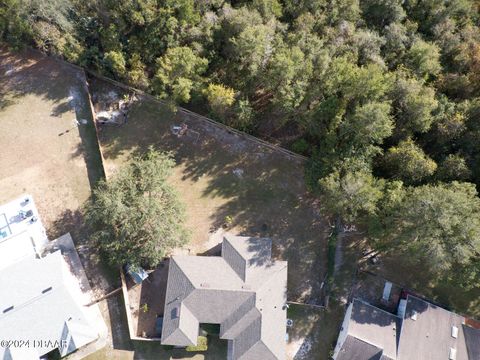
(260, 190)
(31, 73)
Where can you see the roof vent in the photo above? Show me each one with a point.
(453, 354)
(454, 332)
(46, 290)
(414, 315)
(8, 309)
(205, 285)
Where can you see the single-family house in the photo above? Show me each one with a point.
(40, 308)
(243, 290)
(419, 330)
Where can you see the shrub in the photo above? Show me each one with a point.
(202, 345)
(300, 146)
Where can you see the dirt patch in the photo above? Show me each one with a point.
(314, 331)
(147, 301)
(369, 288)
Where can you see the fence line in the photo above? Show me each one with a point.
(181, 109)
(200, 117)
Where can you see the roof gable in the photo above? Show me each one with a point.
(375, 326)
(243, 290)
(357, 349)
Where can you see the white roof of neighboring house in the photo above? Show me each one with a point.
(21, 231)
(429, 336)
(42, 305)
(41, 302)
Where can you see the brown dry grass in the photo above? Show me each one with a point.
(270, 199)
(42, 151)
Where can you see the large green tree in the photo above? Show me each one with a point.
(437, 225)
(136, 216)
(408, 162)
(424, 59)
(178, 72)
(351, 194)
(414, 104)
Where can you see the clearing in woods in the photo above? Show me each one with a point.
(226, 179)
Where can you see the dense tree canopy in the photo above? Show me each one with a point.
(383, 95)
(136, 216)
(438, 225)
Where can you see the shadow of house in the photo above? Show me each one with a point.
(152, 301)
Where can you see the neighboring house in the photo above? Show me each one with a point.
(243, 290)
(39, 302)
(21, 231)
(419, 331)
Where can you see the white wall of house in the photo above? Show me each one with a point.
(343, 331)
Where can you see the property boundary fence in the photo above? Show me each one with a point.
(200, 117)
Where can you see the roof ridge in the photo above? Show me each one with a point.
(225, 238)
(13, 308)
(177, 329)
(183, 273)
(243, 322)
(260, 341)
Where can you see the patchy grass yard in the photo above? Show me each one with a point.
(314, 331)
(217, 350)
(44, 152)
(221, 175)
(224, 178)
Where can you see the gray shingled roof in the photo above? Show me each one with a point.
(472, 339)
(243, 290)
(354, 348)
(424, 333)
(374, 326)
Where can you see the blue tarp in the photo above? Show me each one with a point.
(137, 273)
